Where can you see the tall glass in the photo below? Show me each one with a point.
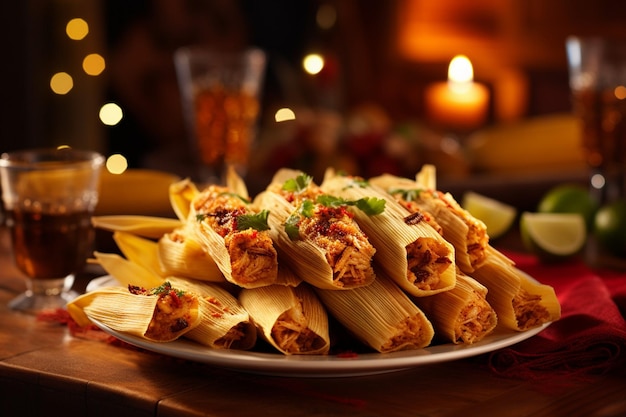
(597, 69)
(49, 196)
(220, 96)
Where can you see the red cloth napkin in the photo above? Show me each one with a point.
(590, 337)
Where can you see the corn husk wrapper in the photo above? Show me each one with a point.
(127, 272)
(145, 226)
(137, 315)
(381, 315)
(181, 195)
(291, 319)
(392, 234)
(139, 250)
(467, 234)
(224, 324)
(520, 302)
(255, 263)
(180, 254)
(461, 315)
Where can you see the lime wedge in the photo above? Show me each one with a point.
(497, 216)
(556, 235)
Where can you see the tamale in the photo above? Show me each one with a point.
(380, 315)
(235, 236)
(520, 302)
(461, 315)
(161, 314)
(291, 319)
(315, 234)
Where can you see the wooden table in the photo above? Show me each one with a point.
(45, 371)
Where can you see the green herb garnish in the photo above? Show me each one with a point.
(256, 221)
(165, 288)
(292, 223)
(298, 184)
(368, 205)
(406, 195)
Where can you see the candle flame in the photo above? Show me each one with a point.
(460, 70)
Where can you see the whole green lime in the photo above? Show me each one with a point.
(609, 227)
(569, 198)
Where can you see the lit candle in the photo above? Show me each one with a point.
(460, 103)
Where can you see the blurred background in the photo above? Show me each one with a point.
(99, 74)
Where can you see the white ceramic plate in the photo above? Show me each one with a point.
(317, 365)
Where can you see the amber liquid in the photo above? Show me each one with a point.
(603, 117)
(50, 246)
(224, 126)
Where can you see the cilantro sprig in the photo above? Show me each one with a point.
(407, 195)
(368, 205)
(256, 221)
(298, 184)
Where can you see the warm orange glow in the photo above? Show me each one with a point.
(460, 70)
(459, 103)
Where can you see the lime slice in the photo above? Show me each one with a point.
(497, 216)
(555, 235)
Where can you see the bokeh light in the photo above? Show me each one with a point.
(77, 29)
(111, 114)
(61, 83)
(620, 92)
(313, 63)
(116, 164)
(284, 114)
(93, 64)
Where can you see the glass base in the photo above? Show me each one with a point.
(42, 295)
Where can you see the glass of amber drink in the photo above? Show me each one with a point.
(220, 96)
(597, 73)
(49, 196)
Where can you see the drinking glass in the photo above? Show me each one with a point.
(597, 74)
(220, 97)
(49, 196)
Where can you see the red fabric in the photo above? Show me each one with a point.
(590, 337)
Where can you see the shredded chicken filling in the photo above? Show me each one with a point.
(529, 312)
(172, 315)
(252, 256)
(427, 260)
(348, 251)
(409, 335)
(232, 339)
(292, 334)
(475, 321)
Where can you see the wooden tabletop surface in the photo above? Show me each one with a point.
(46, 371)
